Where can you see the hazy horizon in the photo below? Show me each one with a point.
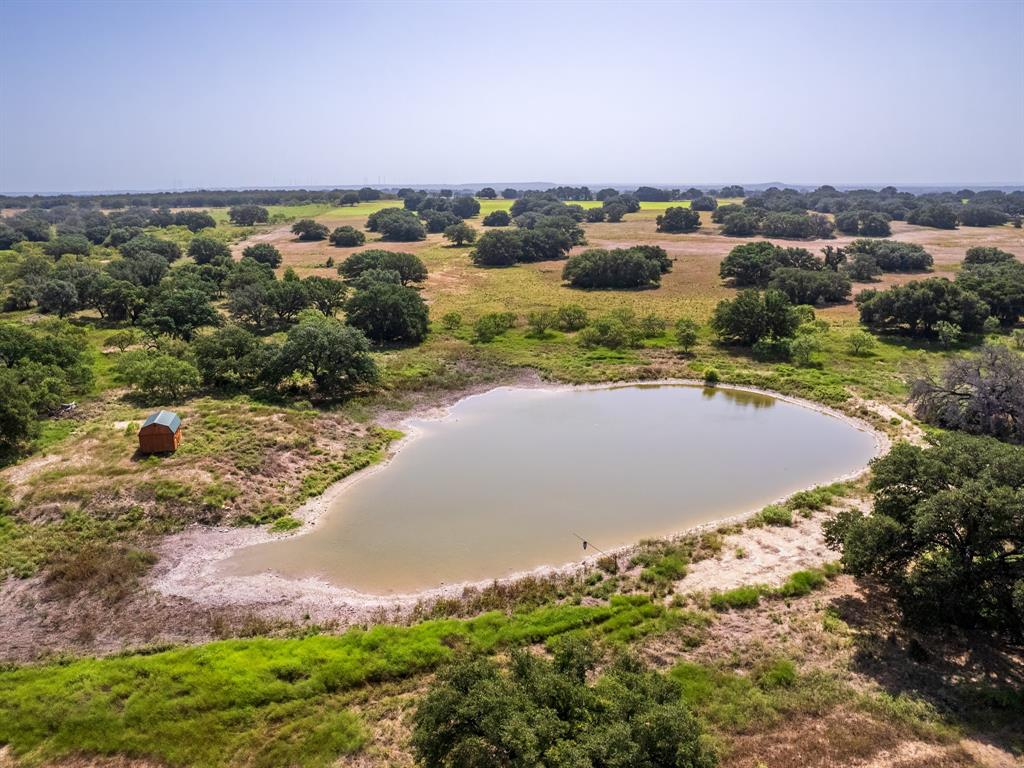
(528, 185)
(100, 96)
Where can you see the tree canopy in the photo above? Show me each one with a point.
(307, 229)
(918, 306)
(892, 255)
(264, 253)
(387, 313)
(933, 215)
(41, 366)
(460, 234)
(248, 214)
(544, 238)
(334, 355)
(808, 286)
(986, 255)
(678, 219)
(206, 250)
(397, 225)
(754, 316)
(195, 220)
(1000, 285)
(408, 266)
(638, 267)
(347, 237)
(982, 394)
(544, 714)
(465, 206)
(754, 264)
(946, 534)
(497, 218)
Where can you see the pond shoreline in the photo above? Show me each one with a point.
(188, 564)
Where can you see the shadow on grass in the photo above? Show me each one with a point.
(972, 678)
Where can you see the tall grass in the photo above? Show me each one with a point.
(266, 701)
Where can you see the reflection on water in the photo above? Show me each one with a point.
(741, 397)
(505, 482)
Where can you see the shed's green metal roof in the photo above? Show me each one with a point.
(167, 419)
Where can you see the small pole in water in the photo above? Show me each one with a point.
(587, 544)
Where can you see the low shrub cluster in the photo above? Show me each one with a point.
(492, 325)
(621, 329)
(798, 584)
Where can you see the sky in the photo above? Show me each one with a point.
(99, 96)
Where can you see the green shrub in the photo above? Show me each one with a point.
(802, 583)
(818, 498)
(651, 326)
(570, 317)
(687, 332)
(492, 325)
(711, 377)
(949, 333)
(540, 322)
(617, 330)
(218, 494)
(773, 514)
(780, 673)
(671, 567)
(740, 597)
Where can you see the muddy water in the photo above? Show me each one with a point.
(510, 478)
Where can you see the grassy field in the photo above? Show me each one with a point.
(265, 701)
(763, 666)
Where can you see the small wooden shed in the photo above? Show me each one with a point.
(160, 433)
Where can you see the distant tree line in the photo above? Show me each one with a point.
(944, 210)
(191, 199)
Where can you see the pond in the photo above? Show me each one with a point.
(510, 480)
